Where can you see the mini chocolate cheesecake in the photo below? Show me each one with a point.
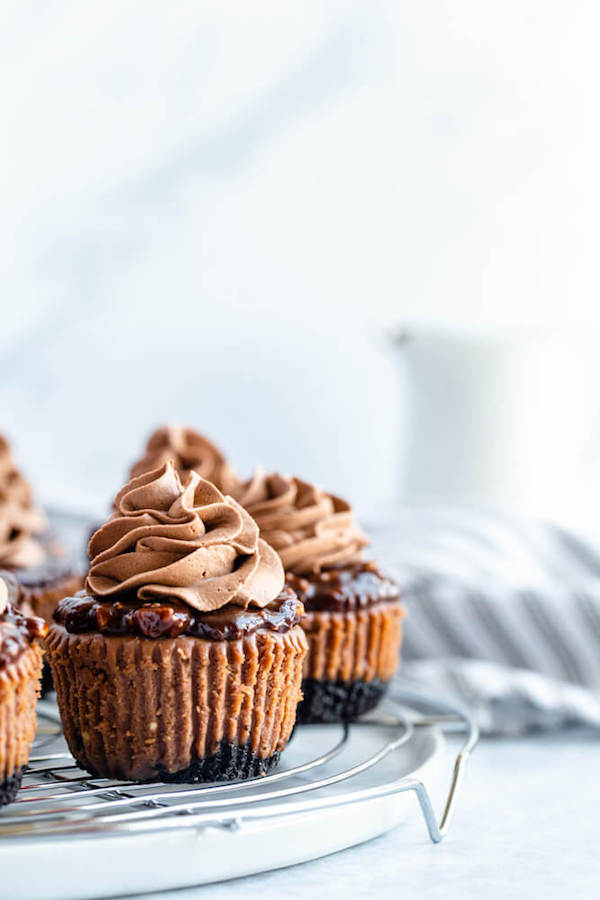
(353, 623)
(20, 671)
(39, 590)
(28, 550)
(42, 586)
(182, 659)
(353, 614)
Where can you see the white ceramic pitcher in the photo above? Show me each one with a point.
(510, 422)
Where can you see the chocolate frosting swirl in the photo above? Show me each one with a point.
(311, 530)
(184, 541)
(20, 518)
(190, 451)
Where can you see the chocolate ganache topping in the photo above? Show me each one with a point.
(20, 518)
(80, 614)
(184, 541)
(311, 530)
(190, 451)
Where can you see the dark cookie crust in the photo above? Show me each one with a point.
(9, 787)
(229, 763)
(338, 701)
(47, 680)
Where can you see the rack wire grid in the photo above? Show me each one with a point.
(59, 798)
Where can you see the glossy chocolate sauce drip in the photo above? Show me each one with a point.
(343, 588)
(128, 615)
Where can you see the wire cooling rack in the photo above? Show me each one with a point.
(59, 799)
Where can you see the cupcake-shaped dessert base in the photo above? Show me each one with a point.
(20, 670)
(353, 612)
(181, 709)
(183, 659)
(353, 623)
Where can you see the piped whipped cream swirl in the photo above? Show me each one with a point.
(190, 451)
(185, 541)
(20, 519)
(310, 529)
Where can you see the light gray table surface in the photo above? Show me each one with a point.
(526, 826)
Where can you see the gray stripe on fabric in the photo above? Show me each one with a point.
(445, 628)
(589, 611)
(564, 654)
(582, 552)
(590, 614)
(422, 639)
(499, 630)
(416, 641)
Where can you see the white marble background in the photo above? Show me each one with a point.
(216, 212)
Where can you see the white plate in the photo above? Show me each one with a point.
(92, 866)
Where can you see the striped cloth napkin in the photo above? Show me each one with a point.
(502, 613)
